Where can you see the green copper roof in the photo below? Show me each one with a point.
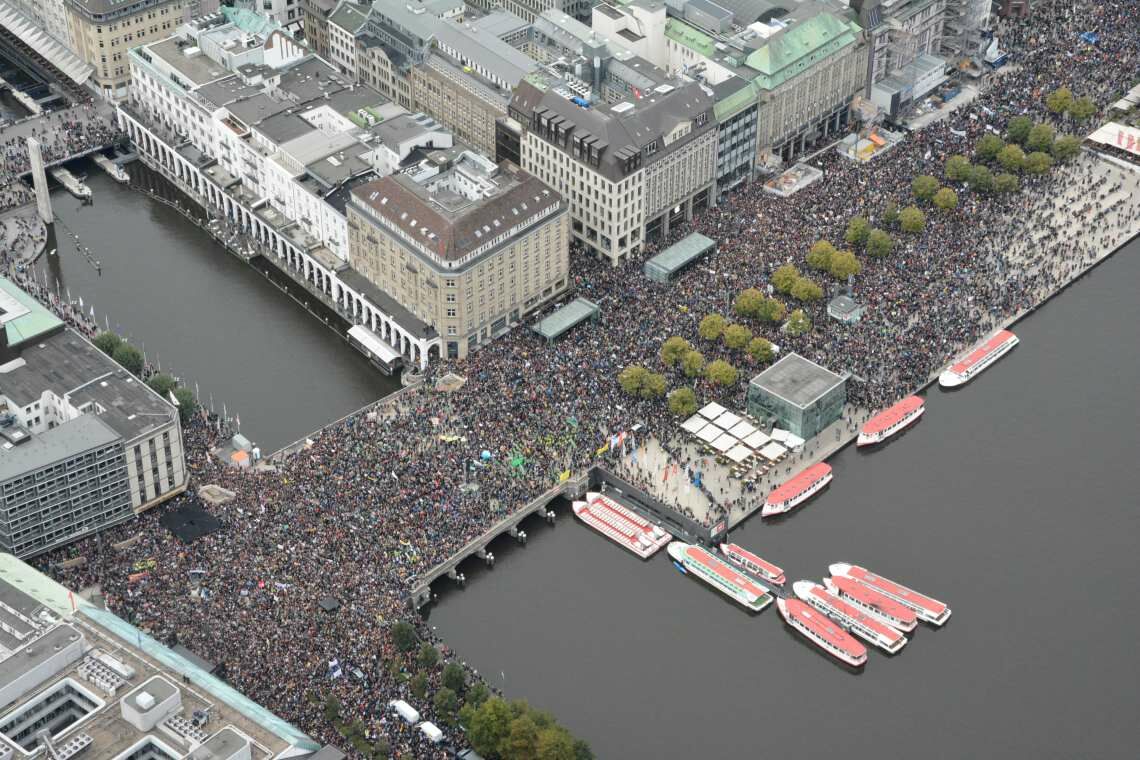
(798, 47)
(24, 318)
(249, 21)
(694, 39)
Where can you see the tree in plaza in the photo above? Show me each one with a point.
(682, 402)
(162, 383)
(721, 372)
(806, 290)
(958, 168)
(555, 743)
(879, 243)
(446, 703)
(736, 337)
(760, 349)
(748, 302)
(673, 349)
(1006, 183)
(522, 740)
(638, 381)
(785, 277)
(187, 404)
(946, 199)
(857, 230)
(912, 220)
(924, 187)
(1018, 129)
(711, 327)
(1066, 147)
(1040, 138)
(381, 748)
(772, 310)
(453, 677)
(1059, 100)
(418, 685)
(981, 179)
(332, 709)
(843, 265)
(428, 657)
(477, 694)
(1038, 162)
(988, 146)
(693, 363)
(890, 212)
(130, 357)
(107, 342)
(1011, 158)
(1082, 109)
(819, 257)
(798, 323)
(489, 726)
(404, 636)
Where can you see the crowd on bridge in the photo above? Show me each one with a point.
(376, 501)
(61, 134)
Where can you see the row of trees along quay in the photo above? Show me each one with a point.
(496, 729)
(996, 167)
(133, 361)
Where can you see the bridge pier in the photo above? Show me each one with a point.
(39, 180)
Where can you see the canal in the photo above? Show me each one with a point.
(1012, 500)
(203, 314)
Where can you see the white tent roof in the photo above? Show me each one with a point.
(709, 433)
(727, 420)
(711, 410)
(756, 440)
(739, 453)
(724, 443)
(773, 451)
(793, 441)
(694, 423)
(743, 429)
(780, 435)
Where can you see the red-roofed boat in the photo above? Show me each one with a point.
(862, 624)
(891, 421)
(698, 561)
(930, 610)
(755, 565)
(797, 490)
(623, 526)
(823, 632)
(872, 602)
(971, 365)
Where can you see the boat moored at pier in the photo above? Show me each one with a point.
(722, 576)
(971, 365)
(860, 623)
(822, 631)
(753, 564)
(892, 421)
(797, 490)
(872, 602)
(623, 526)
(927, 609)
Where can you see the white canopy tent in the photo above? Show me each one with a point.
(724, 443)
(773, 451)
(711, 410)
(793, 441)
(739, 453)
(756, 440)
(710, 433)
(780, 435)
(694, 424)
(742, 429)
(727, 420)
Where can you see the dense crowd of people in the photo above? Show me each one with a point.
(376, 501)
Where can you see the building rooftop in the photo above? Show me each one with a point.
(565, 317)
(679, 255)
(476, 48)
(87, 432)
(349, 16)
(196, 68)
(797, 380)
(22, 316)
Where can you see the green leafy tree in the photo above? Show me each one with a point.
(162, 383)
(843, 265)
(489, 726)
(582, 750)
(958, 168)
(748, 303)
(890, 213)
(761, 350)
(1006, 183)
(332, 709)
(418, 685)
(819, 257)
(981, 179)
(693, 363)
(381, 748)
(187, 404)
(806, 290)
(711, 327)
(555, 743)
(453, 677)
(946, 199)
(1038, 162)
(673, 349)
(1059, 100)
(682, 402)
(879, 243)
(924, 187)
(1066, 147)
(721, 372)
(1011, 158)
(798, 323)
(522, 740)
(1082, 109)
(638, 381)
(1018, 129)
(736, 337)
(912, 220)
(654, 386)
(1040, 138)
(446, 703)
(477, 694)
(857, 230)
(107, 342)
(130, 357)
(772, 310)
(785, 277)
(988, 146)
(404, 636)
(428, 657)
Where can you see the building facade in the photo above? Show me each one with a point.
(800, 395)
(102, 32)
(466, 245)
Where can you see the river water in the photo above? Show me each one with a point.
(1013, 500)
(205, 315)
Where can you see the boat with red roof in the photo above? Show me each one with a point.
(623, 526)
(753, 564)
(720, 575)
(930, 610)
(797, 490)
(971, 365)
(891, 421)
(872, 602)
(822, 631)
(860, 623)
